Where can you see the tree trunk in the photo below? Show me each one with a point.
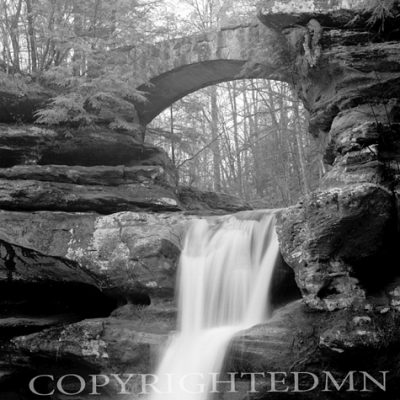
(215, 138)
(77, 58)
(14, 36)
(32, 38)
(171, 110)
(239, 172)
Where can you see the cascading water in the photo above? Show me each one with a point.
(224, 278)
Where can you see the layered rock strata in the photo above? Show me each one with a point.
(346, 70)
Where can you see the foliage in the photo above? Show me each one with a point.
(246, 138)
(265, 154)
(15, 84)
(77, 48)
(68, 108)
(108, 98)
(380, 11)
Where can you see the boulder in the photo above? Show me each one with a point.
(93, 346)
(134, 254)
(106, 345)
(19, 264)
(270, 346)
(332, 241)
(298, 339)
(35, 291)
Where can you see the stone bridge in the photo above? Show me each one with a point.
(182, 66)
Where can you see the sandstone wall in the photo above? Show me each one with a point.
(341, 239)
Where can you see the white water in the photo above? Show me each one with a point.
(224, 278)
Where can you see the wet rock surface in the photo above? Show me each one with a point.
(133, 254)
(97, 344)
(128, 342)
(295, 339)
(300, 339)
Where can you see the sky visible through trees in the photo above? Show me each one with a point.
(263, 150)
(245, 137)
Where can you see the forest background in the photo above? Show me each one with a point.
(246, 137)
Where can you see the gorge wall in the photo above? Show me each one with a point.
(89, 217)
(91, 225)
(342, 239)
(347, 74)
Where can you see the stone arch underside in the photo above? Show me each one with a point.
(173, 85)
(167, 88)
(181, 66)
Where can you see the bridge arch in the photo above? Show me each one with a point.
(171, 86)
(183, 66)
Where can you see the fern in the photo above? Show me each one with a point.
(380, 11)
(86, 106)
(111, 107)
(67, 108)
(60, 77)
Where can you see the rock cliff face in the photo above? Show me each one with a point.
(335, 239)
(84, 170)
(91, 223)
(132, 254)
(341, 240)
(90, 170)
(347, 72)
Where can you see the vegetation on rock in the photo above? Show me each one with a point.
(77, 49)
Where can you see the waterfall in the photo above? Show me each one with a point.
(223, 283)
